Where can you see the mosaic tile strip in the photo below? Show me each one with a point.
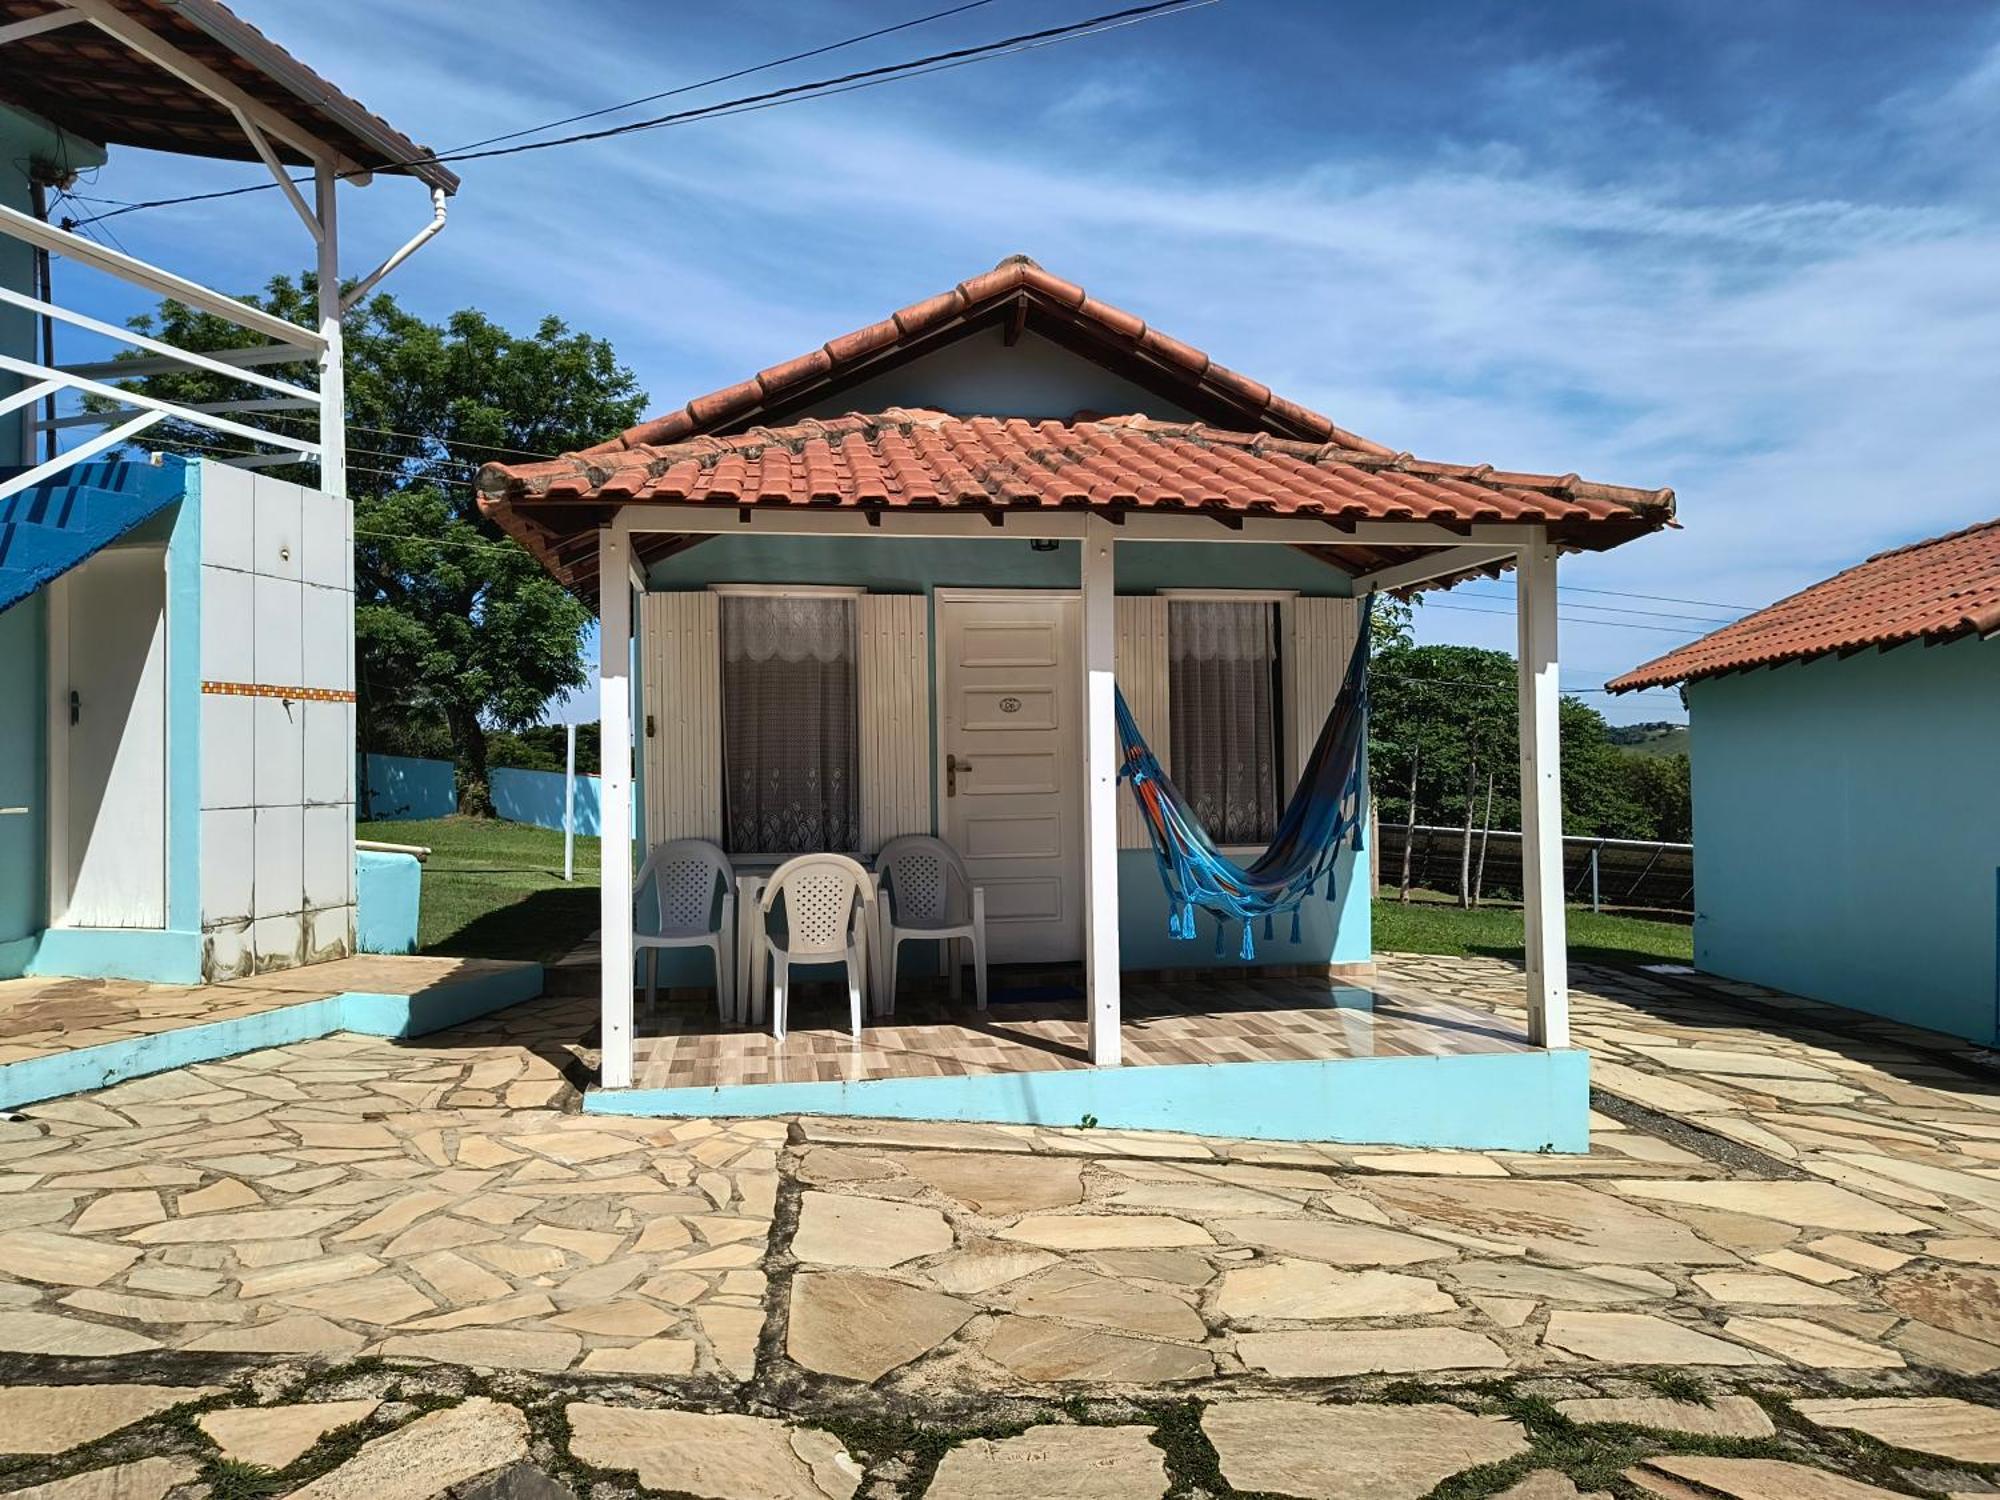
(267, 690)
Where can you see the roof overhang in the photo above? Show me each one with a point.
(163, 74)
(1389, 521)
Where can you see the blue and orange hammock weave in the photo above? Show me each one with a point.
(1324, 810)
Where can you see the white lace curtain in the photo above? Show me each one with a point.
(1222, 659)
(790, 756)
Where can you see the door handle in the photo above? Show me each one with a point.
(952, 766)
(75, 707)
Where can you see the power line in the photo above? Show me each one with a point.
(1508, 614)
(794, 93)
(765, 67)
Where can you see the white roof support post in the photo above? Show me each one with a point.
(614, 712)
(332, 376)
(1541, 797)
(1100, 813)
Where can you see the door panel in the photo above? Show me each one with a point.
(1009, 712)
(113, 729)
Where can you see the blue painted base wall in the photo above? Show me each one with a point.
(1847, 833)
(1513, 1101)
(388, 901)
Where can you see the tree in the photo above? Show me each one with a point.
(1449, 712)
(453, 624)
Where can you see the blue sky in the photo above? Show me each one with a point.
(1751, 251)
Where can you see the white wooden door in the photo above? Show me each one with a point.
(1010, 763)
(110, 713)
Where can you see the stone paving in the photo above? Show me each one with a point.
(355, 1267)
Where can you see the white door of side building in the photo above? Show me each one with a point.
(108, 725)
(1010, 763)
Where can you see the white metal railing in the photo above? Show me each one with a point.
(120, 413)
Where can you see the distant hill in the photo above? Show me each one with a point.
(1651, 739)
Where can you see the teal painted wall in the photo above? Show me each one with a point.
(918, 565)
(1332, 932)
(1847, 832)
(23, 778)
(388, 900)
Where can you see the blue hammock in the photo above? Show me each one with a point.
(1324, 810)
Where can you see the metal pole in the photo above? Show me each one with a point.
(569, 805)
(1593, 879)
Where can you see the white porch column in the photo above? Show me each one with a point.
(1541, 798)
(1100, 812)
(332, 372)
(614, 712)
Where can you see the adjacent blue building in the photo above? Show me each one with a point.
(1846, 821)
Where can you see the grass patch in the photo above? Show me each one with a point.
(495, 890)
(230, 1480)
(1432, 923)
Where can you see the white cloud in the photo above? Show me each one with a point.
(1815, 373)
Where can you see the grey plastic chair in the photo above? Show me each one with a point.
(928, 896)
(826, 921)
(685, 874)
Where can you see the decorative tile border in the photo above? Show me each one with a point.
(266, 690)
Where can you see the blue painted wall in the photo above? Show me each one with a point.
(388, 900)
(1847, 834)
(401, 787)
(537, 797)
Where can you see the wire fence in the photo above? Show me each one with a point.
(1600, 873)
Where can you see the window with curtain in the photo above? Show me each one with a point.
(1222, 695)
(790, 747)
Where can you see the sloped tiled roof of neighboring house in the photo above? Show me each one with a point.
(1249, 452)
(1934, 591)
(84, 79)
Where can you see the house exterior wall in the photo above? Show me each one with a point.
(982, 376)
(1336, 932)
(1847, 835)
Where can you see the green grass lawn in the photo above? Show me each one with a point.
(1434, 924)
(495, 890)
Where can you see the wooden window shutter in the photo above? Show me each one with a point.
(1317, 646)
(1140, 625)
(895, 705)
(680, 724)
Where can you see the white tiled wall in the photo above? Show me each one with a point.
(277, 782)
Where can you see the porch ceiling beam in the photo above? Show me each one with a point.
(1051, 524)
(1431, 565)
(149, 44)
(36, 25)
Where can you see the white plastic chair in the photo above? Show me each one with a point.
(930, 897)
(825, 899)
(685, 873)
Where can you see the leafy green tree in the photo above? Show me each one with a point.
(1660, 788)
(454, 624)
(1449, 714)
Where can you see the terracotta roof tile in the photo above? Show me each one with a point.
(1935, 591)
(903, 458)
(1151, 355)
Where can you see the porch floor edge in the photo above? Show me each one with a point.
(1500, 1101)
(434, 1007)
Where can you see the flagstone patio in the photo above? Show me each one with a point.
(1795, 1210)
